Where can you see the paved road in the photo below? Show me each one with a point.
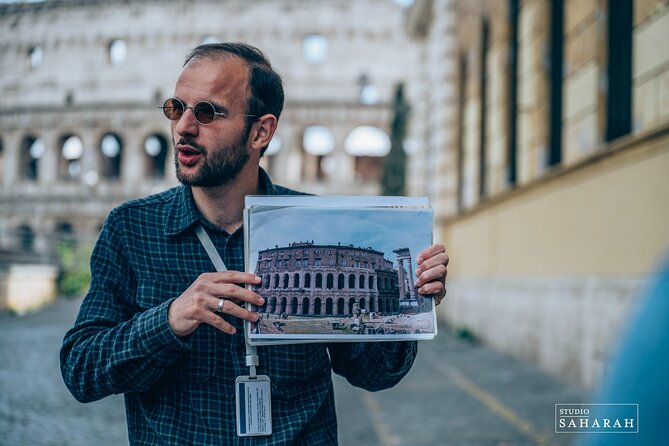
(456, 394)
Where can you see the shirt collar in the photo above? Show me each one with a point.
(184, 213)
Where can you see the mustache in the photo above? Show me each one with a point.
(187, 141)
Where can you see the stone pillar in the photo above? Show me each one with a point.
(134, 158)
(90, 159)
(400, 273)
(48, 165)
(12, 143)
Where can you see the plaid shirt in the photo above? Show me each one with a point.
(180, 391)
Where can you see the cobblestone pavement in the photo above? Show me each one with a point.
(456, 394)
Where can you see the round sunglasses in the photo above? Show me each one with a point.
(204, 111)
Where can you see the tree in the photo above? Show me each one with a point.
(394, 165)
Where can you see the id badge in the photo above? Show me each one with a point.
(253, 406)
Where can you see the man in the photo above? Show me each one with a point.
(160, 328)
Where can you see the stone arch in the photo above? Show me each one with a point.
(296, 280)
(329, 281)
(317, 143)
(362, 303)
(285, 280)
(328, 306)
(361, 282)
(381, 306)
(283, 303)
(156, 149)
(305, 305)
(26, 238)
(293, 305)
(111, 155)
(307, 280)
(341, 303)
(371, 282)
(69, 157)
(368, 145)
(319, 280)
(341, 281)
(351, 281)
(317, 306)
(32, 149)
(351, 301)
(266, 281)
(276, 281)
(64, 233)
(271, 307)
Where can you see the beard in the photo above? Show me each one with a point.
(221, 166)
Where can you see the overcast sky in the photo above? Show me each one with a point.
(382, 229)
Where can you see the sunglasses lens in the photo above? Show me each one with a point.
(173, 109)
(204, 112)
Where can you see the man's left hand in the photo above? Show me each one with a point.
(432, 271)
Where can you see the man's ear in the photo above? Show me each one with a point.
(263, 130)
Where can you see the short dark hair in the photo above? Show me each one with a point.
(265, 83)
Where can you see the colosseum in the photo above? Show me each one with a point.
(334, 280)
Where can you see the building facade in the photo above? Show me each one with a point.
(327, 280)
(80, 131)
(545, 126)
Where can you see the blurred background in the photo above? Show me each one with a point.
(539, 130)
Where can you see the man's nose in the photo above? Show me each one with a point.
(187, 124)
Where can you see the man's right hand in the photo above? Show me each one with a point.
(198, 304)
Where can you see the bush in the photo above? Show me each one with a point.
(75, 276)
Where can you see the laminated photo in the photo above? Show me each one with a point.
(338, 268)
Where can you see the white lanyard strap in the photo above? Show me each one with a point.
(219, 264)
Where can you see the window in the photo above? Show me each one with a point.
(110, 147)
(357, 263)
(331, 262)
(118, 51)
(72, 150)
(344, 263)
(365, 264)
(298, 263)
(315, 49)
(483, 82)
(35, 57)
(317, 262)
(555, 87)
(511, 170)
(619, 70)
(156, 149)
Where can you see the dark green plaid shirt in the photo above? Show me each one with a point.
(181, 391)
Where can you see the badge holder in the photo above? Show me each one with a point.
(253, 399)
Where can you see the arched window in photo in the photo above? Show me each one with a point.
(156, 150)
(111, 150)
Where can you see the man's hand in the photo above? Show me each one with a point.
(199, 303)
(432, 271)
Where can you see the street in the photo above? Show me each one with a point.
(458, 393)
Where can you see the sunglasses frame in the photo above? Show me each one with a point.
(185, 107)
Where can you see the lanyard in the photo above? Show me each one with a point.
(251, 351)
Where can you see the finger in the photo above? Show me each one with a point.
(234, 277)
(438, 273)
(235, 310)
(430, 252)
(213, 319)
(434, 289)
(439, 259)
(234, 293)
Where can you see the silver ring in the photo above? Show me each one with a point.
(219, 307)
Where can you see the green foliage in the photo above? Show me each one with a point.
(75, 276)
(394, 165)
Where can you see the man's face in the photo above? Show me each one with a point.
(213, 154)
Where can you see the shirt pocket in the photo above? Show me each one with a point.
(197, 364)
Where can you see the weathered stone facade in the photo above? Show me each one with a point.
(327, 280)
(80, 131)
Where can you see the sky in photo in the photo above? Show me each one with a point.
(382, 229)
